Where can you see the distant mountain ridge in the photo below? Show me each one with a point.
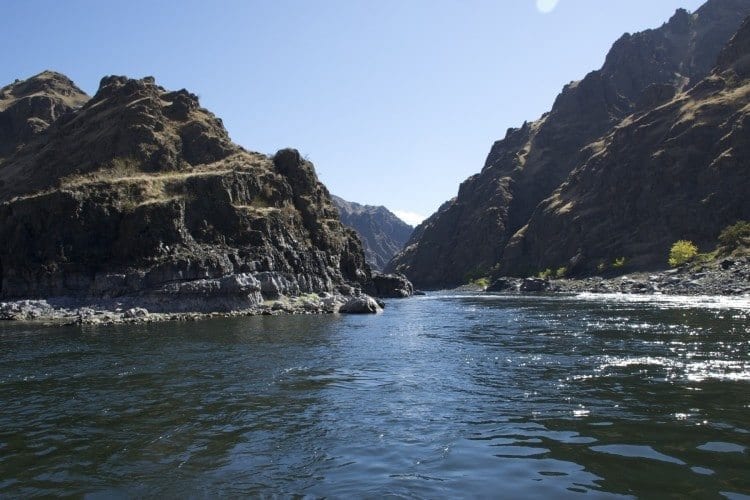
(469, 235)
(383, 234)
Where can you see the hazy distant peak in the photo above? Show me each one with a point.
(381, 231)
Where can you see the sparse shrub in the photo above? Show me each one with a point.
(601, 267)
(736, 235)
(681, 252)
(705, 258)
(619, 263)
(122, 166)
(475, 275)
(544, 274)
(561, 272)
(482, 282)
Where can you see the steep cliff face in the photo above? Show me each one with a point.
(382, 233)
(468, 235)
(679, 171)
(141, 192)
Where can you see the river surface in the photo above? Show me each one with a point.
(442, 396)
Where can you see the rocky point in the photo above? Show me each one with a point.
(138, 197)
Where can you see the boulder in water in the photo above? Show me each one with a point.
(364, 304)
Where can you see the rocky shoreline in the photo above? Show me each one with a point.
(268, 294)
(728, 276)
(64, 311)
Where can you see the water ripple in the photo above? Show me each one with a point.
(442, 396)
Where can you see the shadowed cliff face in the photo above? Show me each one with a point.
(679, 171)
(466, 238)
(382, 233)
(141, 188)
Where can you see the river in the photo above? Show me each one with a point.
(442, 396)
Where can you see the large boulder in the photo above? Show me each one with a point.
(534, 285)
(364, 304)
(390, 286)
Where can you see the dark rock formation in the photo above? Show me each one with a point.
(28, 107)
(679, 171)
(504, 285)
(141, 192)
(395, 286)
(382, 233)
(534, 285)
(361, 305)
(466, 238)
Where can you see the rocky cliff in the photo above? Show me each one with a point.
(467, 237)
(28, 107)
(678, 171)
(139, 191)
(382, 233)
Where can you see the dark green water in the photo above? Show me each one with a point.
(441, 396)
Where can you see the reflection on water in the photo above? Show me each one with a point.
(442, 395)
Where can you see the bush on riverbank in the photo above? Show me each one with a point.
(736, 235)
(682, 251)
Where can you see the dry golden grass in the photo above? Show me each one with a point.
(262, 208)
(129, 187)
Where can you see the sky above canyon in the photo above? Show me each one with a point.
(395, 101)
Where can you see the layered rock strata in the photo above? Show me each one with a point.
(678, 171)
(139, 191)
(467, 237)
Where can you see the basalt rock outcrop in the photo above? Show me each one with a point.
(361, 305)
(28, 107)
(679, 171)
(382, 233)
(467, 237)
(395, 286)
(139, 191)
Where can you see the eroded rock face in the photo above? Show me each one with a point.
(382, 233)
(395, 286)
(140, 191)
(129, 126)
(466, 238)
(28, 107)
(679, 171)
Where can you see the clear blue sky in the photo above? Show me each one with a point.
(395, 101)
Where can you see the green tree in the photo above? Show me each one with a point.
(681, 252)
